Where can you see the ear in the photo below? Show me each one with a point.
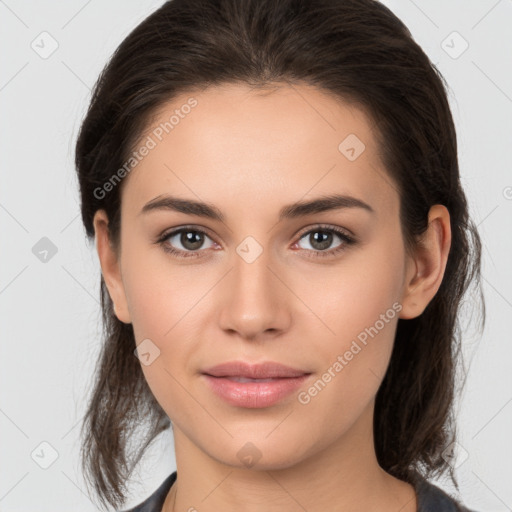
(426, 269)
(110, 266)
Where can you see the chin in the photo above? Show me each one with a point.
(260, 453)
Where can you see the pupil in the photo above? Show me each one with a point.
(191, 240)
(323, 241)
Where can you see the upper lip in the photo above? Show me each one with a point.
(264, 370)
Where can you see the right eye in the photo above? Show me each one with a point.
(190, 239)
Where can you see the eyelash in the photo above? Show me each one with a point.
(347, 241)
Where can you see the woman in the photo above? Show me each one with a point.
(284, 242)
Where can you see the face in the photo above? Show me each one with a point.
(319, 290)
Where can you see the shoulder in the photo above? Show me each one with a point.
(432, 498)
(155, 501)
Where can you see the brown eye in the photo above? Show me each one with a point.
(185, 242)
(191, 240)
(321, 239)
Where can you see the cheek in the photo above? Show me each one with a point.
(161, 305)
(358, 305)
(160, 293)
(163, 299)
(360, 293)
(355, 363)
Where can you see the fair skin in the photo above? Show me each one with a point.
(250, 154)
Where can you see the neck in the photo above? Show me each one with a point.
(344, 475)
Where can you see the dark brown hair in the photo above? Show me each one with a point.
(359, 52)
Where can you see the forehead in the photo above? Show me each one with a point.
(232, 142)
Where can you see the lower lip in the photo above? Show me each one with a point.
(254, 394)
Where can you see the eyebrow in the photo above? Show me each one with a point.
(291, 211)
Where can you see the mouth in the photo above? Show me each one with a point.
(253, 386)
(245, 379)
(266, 370)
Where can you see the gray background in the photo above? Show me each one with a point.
(50, 314)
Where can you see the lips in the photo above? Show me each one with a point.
(259, 371)
(242, 384)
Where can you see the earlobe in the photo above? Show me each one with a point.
(110, 267)
(428, 267)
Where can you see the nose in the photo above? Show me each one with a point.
(255, 302)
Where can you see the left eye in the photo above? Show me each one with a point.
(321, 239)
